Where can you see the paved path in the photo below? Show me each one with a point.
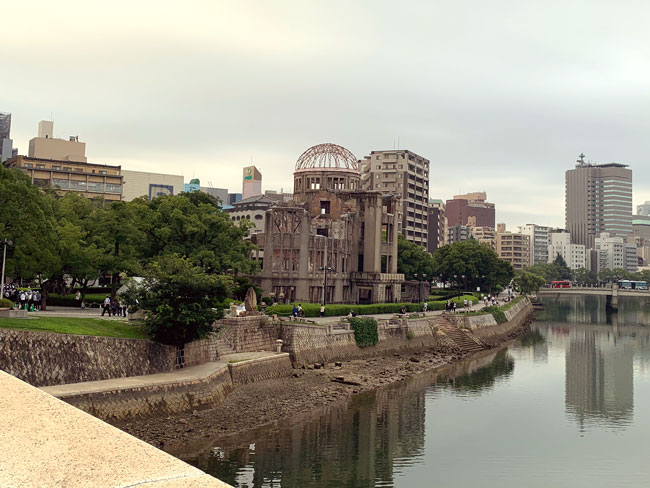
(193, 373)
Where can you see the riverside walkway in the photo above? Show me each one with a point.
(48, 443)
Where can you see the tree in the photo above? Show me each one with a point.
(562, 268)
(27, 219)
(528, 282)
(413, 260)
(473, 264)
(180, 300)
(80, 256)
(193, 225)
(612, 275)
(584, 276)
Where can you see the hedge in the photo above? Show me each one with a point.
(365, 331)
(57, 300)
(313, 309)
(5, 302)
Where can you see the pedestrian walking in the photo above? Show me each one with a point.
(107, 306)
(322, 310)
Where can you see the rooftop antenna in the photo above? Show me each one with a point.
(397, 142)
(581, 159)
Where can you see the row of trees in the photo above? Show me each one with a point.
(468, 264)
(186, 236)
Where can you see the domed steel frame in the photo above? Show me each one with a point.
(327, 156)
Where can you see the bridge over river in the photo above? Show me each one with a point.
(612, 294)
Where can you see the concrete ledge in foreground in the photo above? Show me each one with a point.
(48, 443)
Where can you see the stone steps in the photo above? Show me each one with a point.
(464, 341)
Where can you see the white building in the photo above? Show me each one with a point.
(615, 253)
(573, 254)
(150, 185)
(538, 242)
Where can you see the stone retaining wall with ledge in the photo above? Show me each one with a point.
(244, 372)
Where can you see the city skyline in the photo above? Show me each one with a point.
(209, 89)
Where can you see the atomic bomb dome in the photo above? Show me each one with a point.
(326, 167)
(327, 156)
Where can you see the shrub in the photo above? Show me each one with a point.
(6, 303)
(365, 331)
(57, 300)
(497, 313)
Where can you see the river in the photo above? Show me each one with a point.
(561, 406)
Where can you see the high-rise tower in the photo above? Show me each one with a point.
(6, 144)
(598, 199)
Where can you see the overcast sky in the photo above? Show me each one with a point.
(500, 96)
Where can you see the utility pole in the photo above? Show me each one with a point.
(4, 258)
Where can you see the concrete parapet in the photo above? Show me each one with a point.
(46, 442)
(243, 372)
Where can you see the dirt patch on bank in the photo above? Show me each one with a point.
(265, 402)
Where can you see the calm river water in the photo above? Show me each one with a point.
(567, 405)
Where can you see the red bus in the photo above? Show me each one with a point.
(561, 284)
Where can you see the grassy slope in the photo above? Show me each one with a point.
(82, 326)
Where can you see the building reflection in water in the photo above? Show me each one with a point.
(362, 444)
(599, 377)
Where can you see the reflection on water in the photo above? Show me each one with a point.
(561, 397)
(589, 309)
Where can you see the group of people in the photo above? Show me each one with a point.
(29, 300)
(298, 311)
(114, 307)
(451, 306)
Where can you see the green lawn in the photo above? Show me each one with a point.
(82, 326)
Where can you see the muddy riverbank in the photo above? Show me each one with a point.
(265, 402)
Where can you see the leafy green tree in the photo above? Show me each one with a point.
(116, 231)
(562, 268)
(180, 300)
(80, 256)
(413, 260)
(612, 275)
(584, 276)
(193, 225)
(528, 282)
(27, 219)
(472, 264)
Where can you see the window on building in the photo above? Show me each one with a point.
(40, 166)
(28, 165)
(323, 231)
(101, 172)
(325, 207)
(67, 168)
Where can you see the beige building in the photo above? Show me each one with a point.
(513, 247)
(484, 235)
(46, 146)
(92, 180)
(403, 173)
(333, 242)
(251, 182)
(150, 185)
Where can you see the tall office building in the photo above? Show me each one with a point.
(538, 242)
(6, 144)
(471, 209)
(406, 174)
(252, 182)
(598, 199)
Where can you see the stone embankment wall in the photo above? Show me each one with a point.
(310, 344)
(162, 400)
(42, 358)
(488, 331)
(245, 372)
(137, 401)
(247, 334)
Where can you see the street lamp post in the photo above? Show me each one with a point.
(6, 242)
(325, 268)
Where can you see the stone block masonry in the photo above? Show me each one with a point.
(42, 358)
(245, 372)
(165, 394)
(247, 334)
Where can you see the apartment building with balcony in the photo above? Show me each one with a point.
(405, 174)
(513, 248)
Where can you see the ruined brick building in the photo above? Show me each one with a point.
(333, 237)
